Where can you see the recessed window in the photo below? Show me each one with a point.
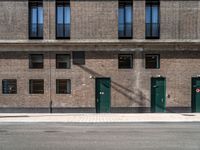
(62, 19)
(152, 61)
(9, 86)
(125, 19)
(36, 61)
(63, 86)
(152, 19)
(79, 58)
(125, 61)
(63, 61)
(36, 86)
(35, 19)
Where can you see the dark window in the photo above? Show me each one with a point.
(35, 19)
(63, 19)
(79, 58)
(63, 86)
(152, 61)
(63, 61)
(36, 61)
(125, 61)
(152, 19)
(125, 19)
(36, 86)
(9, 86)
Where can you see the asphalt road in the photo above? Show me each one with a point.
(99, 136)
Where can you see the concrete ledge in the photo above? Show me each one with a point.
(91, 110)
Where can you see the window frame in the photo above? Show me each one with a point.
(131, 65)
(158, 61)
(151, 3)
(30, 61)
(30, 87)
(57, 66)
(68, 81)
(65, 3)
(123, 4)
(36, 3)
(15, 80)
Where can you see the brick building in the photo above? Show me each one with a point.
(99, 56)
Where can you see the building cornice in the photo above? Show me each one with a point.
(101, 42)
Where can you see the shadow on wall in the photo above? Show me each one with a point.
(129, 94)
(134, 96)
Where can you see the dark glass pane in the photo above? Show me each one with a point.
(152, 61)
(125, 19)
(155, 30)
(148, 14)
(36, 86)
(60, 14)
(36, 61)
(125, 61)
(152, 19)
(63, 86)
(9, 86)
(79, 58)
(128, 12)
(67, 30)
(67, 14)
(63, 19)
(63, 61)
(148, 30)
(36, 19)
(155, 14)
(128, 30)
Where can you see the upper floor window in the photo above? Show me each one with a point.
(78, 58)
(152, 19)
(125, 18)
(62, 19)
(152, 61)
(35, 19)
(36, 61)
(125, 61)
(63, 61)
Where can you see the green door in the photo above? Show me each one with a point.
(158, 94)
(196, 94)
(102, 95)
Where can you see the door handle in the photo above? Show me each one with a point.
(97, 100)
(162, 100)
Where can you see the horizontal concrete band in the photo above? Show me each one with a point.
(91, 110)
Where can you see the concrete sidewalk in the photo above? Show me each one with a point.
(97, 118)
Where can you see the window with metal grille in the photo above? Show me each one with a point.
(152, 19)
(63, 86)
(152, 61)
(36, 86)
(125, 19)
(79, 58)
(36, 61)
(63, 61)
(125, 61)
(62, 19)
(9, 86)
(35, 19)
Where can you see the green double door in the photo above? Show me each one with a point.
(196, 94)
(103, 94)
(158, 94)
